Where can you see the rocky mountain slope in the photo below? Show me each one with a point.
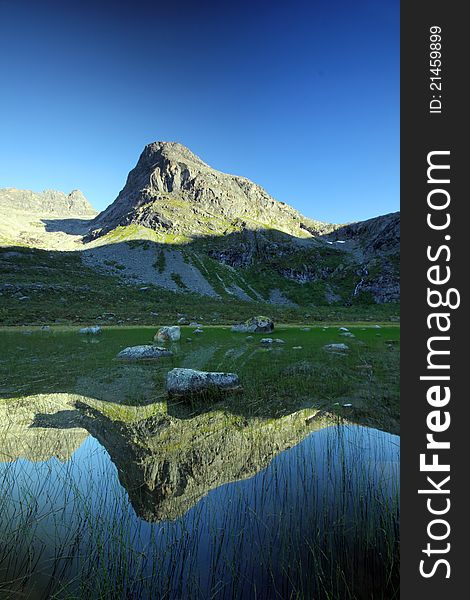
(37, 219)
(173, 190)
(181, 225)
(49, 202)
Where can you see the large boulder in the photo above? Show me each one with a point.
(255, 325)
(168, 334)
(146, 352)
(186, 382)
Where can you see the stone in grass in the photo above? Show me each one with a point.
(168, 334)
(187, 382)
(93, 330)
(198, 330)
(145, 352)
(266, 341)
(305, 329)
(255, 325)
(343, 329)
(336, 347)
(347, 334)
(296, 347)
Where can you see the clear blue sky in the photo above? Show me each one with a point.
(302, 97)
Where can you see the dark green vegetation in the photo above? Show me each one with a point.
(317, 521)
(45, 287)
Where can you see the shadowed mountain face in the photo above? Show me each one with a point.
(172, 190)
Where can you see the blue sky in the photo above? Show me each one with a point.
(301, 97)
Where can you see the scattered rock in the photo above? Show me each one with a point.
(198, 330)
(266, 341)
(145, 352)
(336, 347)
(255, 325)
(306, 329)
(347, 334)
(296, 347)
(343, 329)
(168, 334)
(184, 382)
(249, 338)
(93, 330)
(279, 341)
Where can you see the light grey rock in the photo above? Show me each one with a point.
(255, 325)
(198, 330)
(93, 330)
(168, 334)
(266, 341)
(343, 329)
(145, 352)
(184, 382)
(336, 347)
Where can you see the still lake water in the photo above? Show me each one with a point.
(246, 506)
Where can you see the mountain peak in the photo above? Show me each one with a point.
(171, 151)
(172, 190)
